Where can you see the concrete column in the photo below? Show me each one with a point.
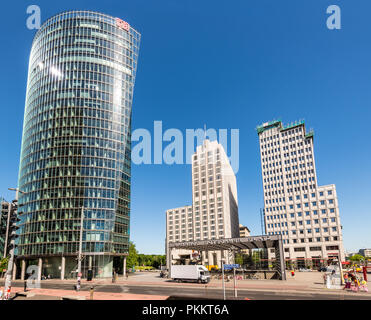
(63, 267)
(23, 271)
(168, 257)
(218, 259)
(280, 259)
(124, 267)
(14, 270)
(40, 269)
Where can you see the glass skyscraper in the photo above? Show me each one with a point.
(76, 144)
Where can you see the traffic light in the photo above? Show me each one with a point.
(13, 221)
(3, 219)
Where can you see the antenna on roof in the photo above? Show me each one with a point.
(205, 131)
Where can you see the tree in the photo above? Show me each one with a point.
(4, 264)
(239, 258)
(132, 259)
(139, 259)
(356, 257)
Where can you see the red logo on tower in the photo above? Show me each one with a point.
(122, 24)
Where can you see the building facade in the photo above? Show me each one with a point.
(244, 231)
(305, 214)
(214, 212)
(365, 252)
(179, 228)
(75, 156)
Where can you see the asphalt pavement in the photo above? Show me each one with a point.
(201, 293)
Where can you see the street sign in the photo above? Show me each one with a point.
(231, 266)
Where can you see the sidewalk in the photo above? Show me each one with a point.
(303, 282)
(86, 294)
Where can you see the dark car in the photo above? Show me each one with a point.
(322, 269)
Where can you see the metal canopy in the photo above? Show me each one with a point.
(236, 244)
(255, 242)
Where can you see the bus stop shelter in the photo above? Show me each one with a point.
(236, 244)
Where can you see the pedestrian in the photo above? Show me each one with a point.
(78, 286)
(348, 282)
(355, 283)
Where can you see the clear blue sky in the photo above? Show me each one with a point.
(229, 64)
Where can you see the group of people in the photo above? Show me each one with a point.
(354, 282)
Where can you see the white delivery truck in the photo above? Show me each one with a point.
(189, 273)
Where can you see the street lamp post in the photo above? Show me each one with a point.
(79, 255)
(79, 258)
(12, 209)
(7, 231)
(234, 282)
(223, 279)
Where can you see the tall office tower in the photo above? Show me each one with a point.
(305, 214)
(76, 143)
(214, 195)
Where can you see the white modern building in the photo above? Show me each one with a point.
(179, 228)
(214, 213)
(305, 214)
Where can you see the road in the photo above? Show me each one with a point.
(180, 292)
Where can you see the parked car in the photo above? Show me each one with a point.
(322, 269)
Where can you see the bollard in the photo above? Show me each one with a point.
(25, 286)
(91, 293)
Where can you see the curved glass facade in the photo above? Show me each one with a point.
(76, 140)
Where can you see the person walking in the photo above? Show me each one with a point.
(78, 286)
(348, 282)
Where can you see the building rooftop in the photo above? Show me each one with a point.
(278, 123)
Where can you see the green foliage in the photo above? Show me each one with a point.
(143, 268)
(246, 259)
(132, 259)
(151, 261)
(4, 264)
(356, 257)
(238, 258)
